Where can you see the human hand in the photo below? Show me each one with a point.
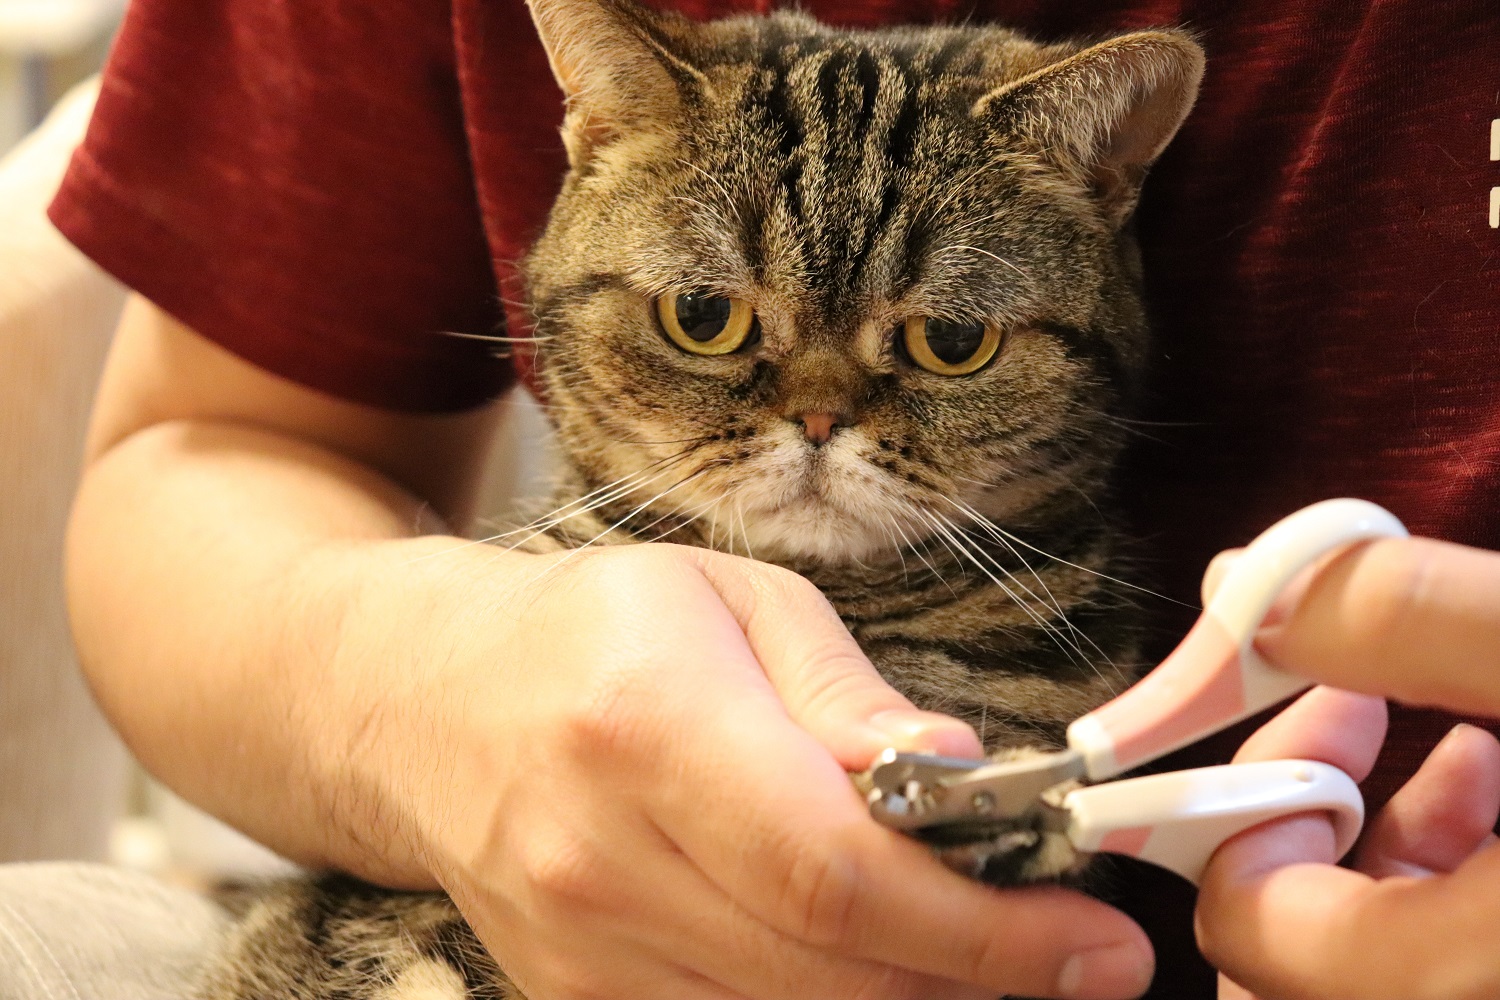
(1416, 916)
(629, 769)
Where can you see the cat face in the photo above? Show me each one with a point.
(822, 291)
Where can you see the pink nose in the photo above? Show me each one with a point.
(818, 426)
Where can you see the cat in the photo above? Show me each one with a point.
(864, 304)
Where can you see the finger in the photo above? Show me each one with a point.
(806, 858)
(1445, 813)
(826, 682)
(672, 911)
(1214, 574)
(1336, 727)
(552, 966)
(1289, 595)
(649, 916)
(1231, 990)
(1315, 931)
(803, 855)
(1412, 619)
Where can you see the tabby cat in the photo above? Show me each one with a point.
(864, 304)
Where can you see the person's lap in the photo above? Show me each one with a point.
(91, 932)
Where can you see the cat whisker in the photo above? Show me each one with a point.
(591, 500)
(536, 524)
(691, 441)
(1062, 616)
(963, 184)
(745, 531)
(692, 517)
(1061, 639)
(716, 182)
(495, 339)
(920, 554)
(989, 527)
(987, 254)
(956, 543)
(900, 554)
(1160, 423)
(1103, 576)
(603, 494)
(1126, 427)
(619, 492)
(573, 552)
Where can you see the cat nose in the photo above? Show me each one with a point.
(818, 427)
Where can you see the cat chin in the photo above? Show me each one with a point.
(832, 510)
(812, 532)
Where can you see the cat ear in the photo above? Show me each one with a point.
(618, 65)
(1104, 114)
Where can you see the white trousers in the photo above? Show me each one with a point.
(90, 932)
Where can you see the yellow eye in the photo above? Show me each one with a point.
(701, 323)
(951, 347)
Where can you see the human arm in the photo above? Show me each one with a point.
(1415, 620)
(268, 609)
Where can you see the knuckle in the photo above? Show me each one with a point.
(782, 585)
(563, 868)
(1396, 582)
(820, 892)
(614, 715)
(842, 676)
(984, 959)
(605, 724)
(599, 574)
(649, 563)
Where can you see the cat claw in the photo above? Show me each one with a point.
(915, 792)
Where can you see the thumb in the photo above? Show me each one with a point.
(1316, 931)
(828, 685)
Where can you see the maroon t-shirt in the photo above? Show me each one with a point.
(326, 187)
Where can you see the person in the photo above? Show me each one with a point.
(1418, 914)
(631, 778)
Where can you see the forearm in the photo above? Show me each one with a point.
(231, 590)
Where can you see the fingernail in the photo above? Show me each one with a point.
(924, 732)
(1110, 972)
(1458, 732)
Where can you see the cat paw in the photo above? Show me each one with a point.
(1018, 856)
(1015, 853)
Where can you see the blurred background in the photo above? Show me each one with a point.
(46, 47)
(68, 789)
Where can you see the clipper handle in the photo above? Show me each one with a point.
(1178, 819)
(1215, 677)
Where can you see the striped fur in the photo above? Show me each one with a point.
(840, 181)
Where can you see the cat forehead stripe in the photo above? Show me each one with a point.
(847, 117)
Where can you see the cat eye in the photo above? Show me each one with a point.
(950, 347)
(702, 323)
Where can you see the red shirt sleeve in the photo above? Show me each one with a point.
(292, 181)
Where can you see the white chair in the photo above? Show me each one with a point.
(62, 772)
